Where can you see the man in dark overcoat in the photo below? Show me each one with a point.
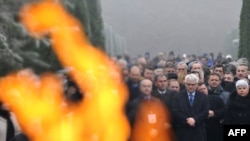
(190, 110)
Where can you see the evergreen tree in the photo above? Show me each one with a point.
(14, 39)
(96, 23)
(244, 47)
(79, 8)
(89, 14)
(18, 50)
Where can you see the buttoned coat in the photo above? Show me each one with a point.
(183, 110)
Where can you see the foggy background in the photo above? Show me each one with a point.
(184, 26)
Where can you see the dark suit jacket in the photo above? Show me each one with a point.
(133, 89)
(5, 114)
(214, 126)
(199, 111)
(20, 137)
(167, 97)
(238, 110)
(132, 107)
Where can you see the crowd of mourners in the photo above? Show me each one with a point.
(195, 96)
(201, 93)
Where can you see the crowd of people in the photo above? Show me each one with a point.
(187, 97)
(201, 93)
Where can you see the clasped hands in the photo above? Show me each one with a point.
(190, 121)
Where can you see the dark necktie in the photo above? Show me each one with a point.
(191, 99)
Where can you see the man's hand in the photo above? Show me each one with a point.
(191, 121)
(210, 113)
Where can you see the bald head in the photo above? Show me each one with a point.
(141, 61)
(146, 86)
(135, 73)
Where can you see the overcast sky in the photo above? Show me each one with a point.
(184, 26)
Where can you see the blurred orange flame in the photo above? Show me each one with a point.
(37, 101)
(152, 122)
